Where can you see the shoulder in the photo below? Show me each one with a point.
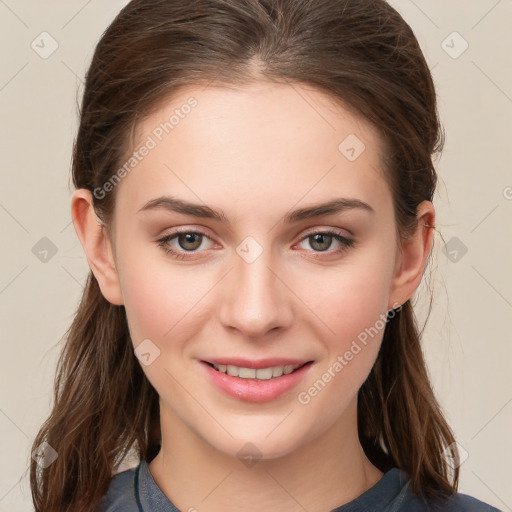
(456, 503)
(121, 494)
(394, 494)
(465, 502)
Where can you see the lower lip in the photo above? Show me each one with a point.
(254, 390)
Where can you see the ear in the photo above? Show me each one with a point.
(96, 244)
(412, 256)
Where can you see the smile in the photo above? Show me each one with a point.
(268, 382)
(269, 373)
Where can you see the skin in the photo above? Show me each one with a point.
(256, 153)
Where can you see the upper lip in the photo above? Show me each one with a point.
(256, 364)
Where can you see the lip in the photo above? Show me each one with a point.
(254, 390)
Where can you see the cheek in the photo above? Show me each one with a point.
(158, 296)
(358, 321)
(349, 298)
(163, 305)
(350, 305)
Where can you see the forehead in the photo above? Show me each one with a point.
(267, 141)
(274, 112)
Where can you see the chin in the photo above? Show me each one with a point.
(264, 444)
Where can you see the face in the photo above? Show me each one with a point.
(248, 278)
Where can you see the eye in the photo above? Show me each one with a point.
(320, 241)
(188, 241)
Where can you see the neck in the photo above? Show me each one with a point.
(324, 474)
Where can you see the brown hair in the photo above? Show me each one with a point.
(361, 53)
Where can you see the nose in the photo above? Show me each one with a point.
(255, 298)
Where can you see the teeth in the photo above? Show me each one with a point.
(247, 373)
(232, 370)
(277, 371)
(288, 369)
(252, 373)
(263, 373)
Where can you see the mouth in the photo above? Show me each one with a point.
(256, 381)
(264, 373)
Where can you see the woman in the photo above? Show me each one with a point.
(254, 186)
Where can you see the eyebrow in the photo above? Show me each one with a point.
(173, 204)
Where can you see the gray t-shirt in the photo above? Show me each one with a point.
(135, 490)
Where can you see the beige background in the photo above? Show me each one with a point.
(468, 338)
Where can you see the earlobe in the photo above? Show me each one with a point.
(97, 245)
(413, 255)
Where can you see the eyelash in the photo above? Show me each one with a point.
(347, 243)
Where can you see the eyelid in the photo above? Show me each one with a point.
(326, 229)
